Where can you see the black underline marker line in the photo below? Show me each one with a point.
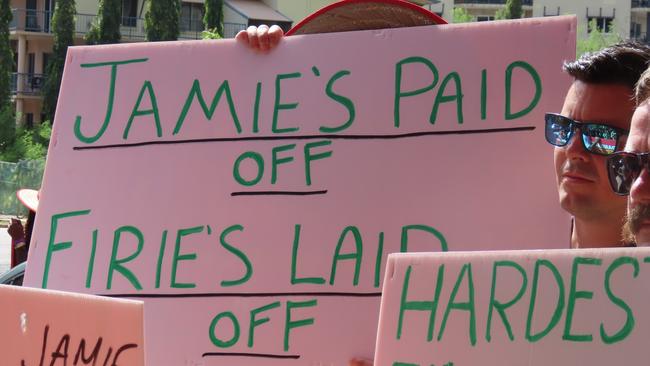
(309, 137)
(259, 355)
(249, 294)
(278, 193)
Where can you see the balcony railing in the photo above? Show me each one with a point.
(31, 20)
(132, 28)
(641, 3)
(27, 84)
(491, 2)
(40, 21)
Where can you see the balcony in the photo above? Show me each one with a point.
(27, 84)
(40, 21)
(30, 20)
(493, 2)
(132, 28)
(640, 4)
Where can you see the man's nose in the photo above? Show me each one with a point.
(575, 149)
(640, 190)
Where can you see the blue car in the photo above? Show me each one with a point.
(14, 276)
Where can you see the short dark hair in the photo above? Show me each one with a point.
(622, 63)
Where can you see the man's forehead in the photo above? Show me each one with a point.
(605, 103)
(639, 138)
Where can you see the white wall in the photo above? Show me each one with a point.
(620, 9)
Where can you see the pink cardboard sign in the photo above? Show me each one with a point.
(536, 308)
(45, 327)
(251, 200)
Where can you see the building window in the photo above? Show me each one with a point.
(604, 24)
(46, 61)
(191, 17)
(635, 30)
(31, 63)
(14, 48)
(551, 13)
(129, 12)
(49, 10)
(484, 18)
(29, 120)
(31, 16)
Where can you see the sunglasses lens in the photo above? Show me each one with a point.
(623, 169)
(599, 139)
(558, 130)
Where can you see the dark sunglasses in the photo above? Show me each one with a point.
(624, 168)
(596, 138)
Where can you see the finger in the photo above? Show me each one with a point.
(263, 37)
(275, 35)
(253, 41)
(242, 37)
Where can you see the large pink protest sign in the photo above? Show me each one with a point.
(536, 308)
(251, 200)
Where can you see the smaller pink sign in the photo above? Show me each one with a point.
(45, 327)
(534, 308)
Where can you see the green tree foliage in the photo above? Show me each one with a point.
(14, 176)
(513, 9)
(596, 40)
(213, 18)
(7, 127)
(6, 56)
(462, 16)
(22, 159)
(161, 23)
(63, 28)
(210, 34)
(22, 142)
(106, 27)
(500, 14)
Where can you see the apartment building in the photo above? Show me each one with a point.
(628, 18)
(32, 39)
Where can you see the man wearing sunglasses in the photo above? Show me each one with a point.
(594, 124)
(629, 170)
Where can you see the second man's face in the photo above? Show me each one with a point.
(637, 226)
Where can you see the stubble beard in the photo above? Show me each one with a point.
(633, 221)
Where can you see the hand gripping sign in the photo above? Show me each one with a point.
(251, 200)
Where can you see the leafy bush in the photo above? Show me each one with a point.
(461, 15)
(7, 127)
(161, 22)
(211, 34)
(14, 176)
(29, 143)
(213, 18)
(597, 39)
